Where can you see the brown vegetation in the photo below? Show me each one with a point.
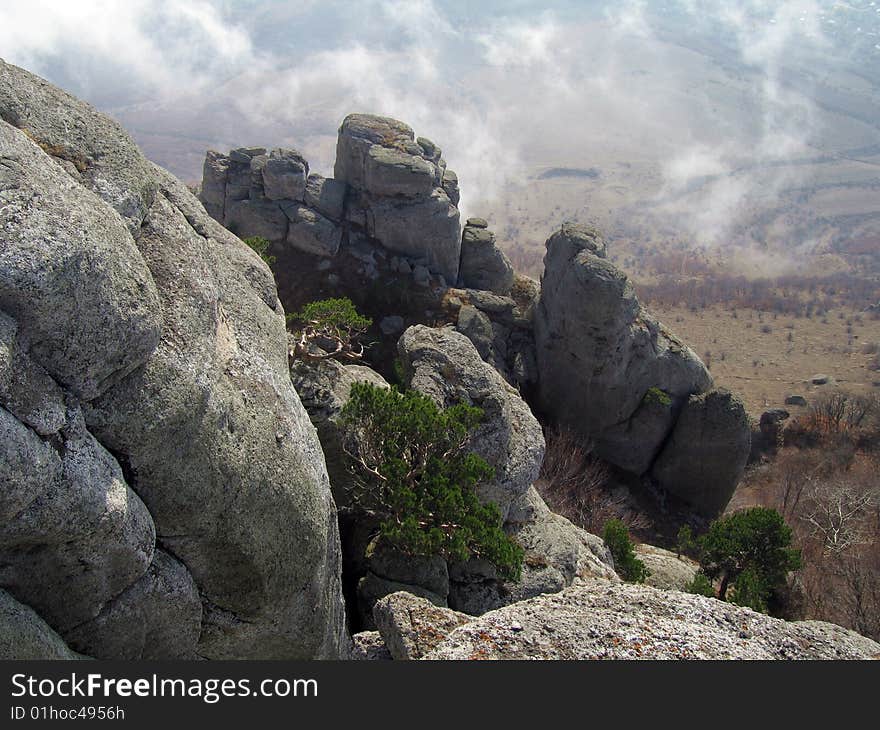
(578, 486)
(824, 482)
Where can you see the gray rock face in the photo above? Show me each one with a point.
(93, 148)
(668, 571)
(602, 359)
(483, 265)
(151, 344)
(557, 554)
(73, 534)
(369, 646)
(425, 227)
(707, 452)
(225, 456)
(445, 366)
(262, 218)
(311, 232)
(158, 617)
(411, 626)
(604, 620)
(326, 195)
(284, 175)
(70, 273)
(24, 635)
(401, 200)
(324, 388)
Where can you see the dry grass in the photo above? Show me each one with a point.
(765, 367)
(579, 487)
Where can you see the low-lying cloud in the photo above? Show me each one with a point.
(501, 89)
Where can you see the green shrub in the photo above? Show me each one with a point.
(260, 246)
(685, 543)
(658, 396)
(419, 479)
(627, 565)
(701, 585)
(750, 551)
(334, 325)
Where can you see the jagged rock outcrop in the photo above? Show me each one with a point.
(411, 627)
(604, 620)
(614, 374)
(397, 190)
(445, 366)
(483, 266)
(705, 454)
(167, 493)
(24, 635)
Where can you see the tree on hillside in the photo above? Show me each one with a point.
(329, 328)
(419, 478)
(749, 550)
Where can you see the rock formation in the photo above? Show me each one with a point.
(611, 372)
(603, 620)
(168, 492)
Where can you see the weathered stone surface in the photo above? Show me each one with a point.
(424, 228)
(159, 617)
(704, 458)
(444, 365)
(371, 588)
(358, 134)
(99, 151)
(223, 451)
(390, 172)
(795, 400)
(484, 265)
(411, 626)
(603, 361)
(428, 572)
(668, 571)
(477, 327)
(284, 175)
(264, 218)
(72, 534)
(26, 389)
(327, 196)
(311, 232)
(324, 387)
(70, 273)
(369, 646)
(24, 635)
(605, 620)
(174, 347)
(212, 192)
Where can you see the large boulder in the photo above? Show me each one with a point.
(157, 617)
(24, 635)
(705, 455)
(73, 535)
(444, 365)
(224, 453)
(666, 569)
(91, 147)
(146, 407)
(557, 554)
(483, 265)
(604, 620)
(411, 626)
(606, 368)
(70, 273)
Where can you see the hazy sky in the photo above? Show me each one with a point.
(500, 86)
